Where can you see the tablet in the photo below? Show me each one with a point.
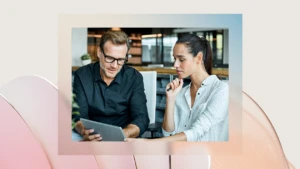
(107, 132)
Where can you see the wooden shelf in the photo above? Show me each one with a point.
(135, 38)
(94, 36)
(135, 60)
(135, 55)
(169, 70)
(164, 70)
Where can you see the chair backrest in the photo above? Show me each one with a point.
(150, 91)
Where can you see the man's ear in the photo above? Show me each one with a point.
(98, 52)
(199, 57)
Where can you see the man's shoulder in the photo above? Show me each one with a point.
(85, 70)
(132, 73)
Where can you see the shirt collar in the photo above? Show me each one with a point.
(98, 77)
(210, 79)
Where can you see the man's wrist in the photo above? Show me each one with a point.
(78, 127)
(131, 130)
(126, 133)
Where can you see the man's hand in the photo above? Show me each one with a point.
(86, 134)
(88, 137)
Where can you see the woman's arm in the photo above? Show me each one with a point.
(177, 137)
(168, 122)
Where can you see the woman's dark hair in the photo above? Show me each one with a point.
(195, 44)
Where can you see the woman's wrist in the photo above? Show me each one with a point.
(171, 99)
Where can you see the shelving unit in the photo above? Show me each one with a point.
(135, 51)
(93, 43)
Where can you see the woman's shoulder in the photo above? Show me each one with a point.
(222, 85)
(218, 87)
(218, 84)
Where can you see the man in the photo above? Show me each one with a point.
(109, 91)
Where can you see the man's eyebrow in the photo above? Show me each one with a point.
(116, 58)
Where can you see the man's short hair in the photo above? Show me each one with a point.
(116, 37)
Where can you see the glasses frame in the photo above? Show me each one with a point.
(114, 59)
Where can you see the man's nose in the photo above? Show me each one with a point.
(114, 63)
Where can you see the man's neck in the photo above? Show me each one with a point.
(105, 79)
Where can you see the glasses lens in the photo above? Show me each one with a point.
(121, 62)
(109, 59)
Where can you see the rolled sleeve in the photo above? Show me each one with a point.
(138, 107)
(216, 111)
(165, 133)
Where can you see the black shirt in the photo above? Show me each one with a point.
(121, 103)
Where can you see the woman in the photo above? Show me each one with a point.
(198, 111)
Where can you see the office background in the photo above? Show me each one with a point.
(257, 23)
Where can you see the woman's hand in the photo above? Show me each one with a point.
(175, 86)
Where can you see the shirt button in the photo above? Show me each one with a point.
(198, 93)
(184, 125)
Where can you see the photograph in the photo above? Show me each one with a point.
(137, 84)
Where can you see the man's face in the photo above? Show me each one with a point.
(110, 70)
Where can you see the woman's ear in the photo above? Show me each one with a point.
(199, 58)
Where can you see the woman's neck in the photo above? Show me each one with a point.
(198, 78)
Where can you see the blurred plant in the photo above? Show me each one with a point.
(75, 112)
(86, 57)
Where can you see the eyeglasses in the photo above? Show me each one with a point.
(109, 59)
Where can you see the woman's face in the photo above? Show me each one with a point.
(184, 62)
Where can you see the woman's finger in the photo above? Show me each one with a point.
(177, 82)
(181, 83)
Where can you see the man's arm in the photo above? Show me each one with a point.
(81, 101)
(131, 131)
(80, 97)
(138, 109)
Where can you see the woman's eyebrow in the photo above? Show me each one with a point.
(179, 56)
